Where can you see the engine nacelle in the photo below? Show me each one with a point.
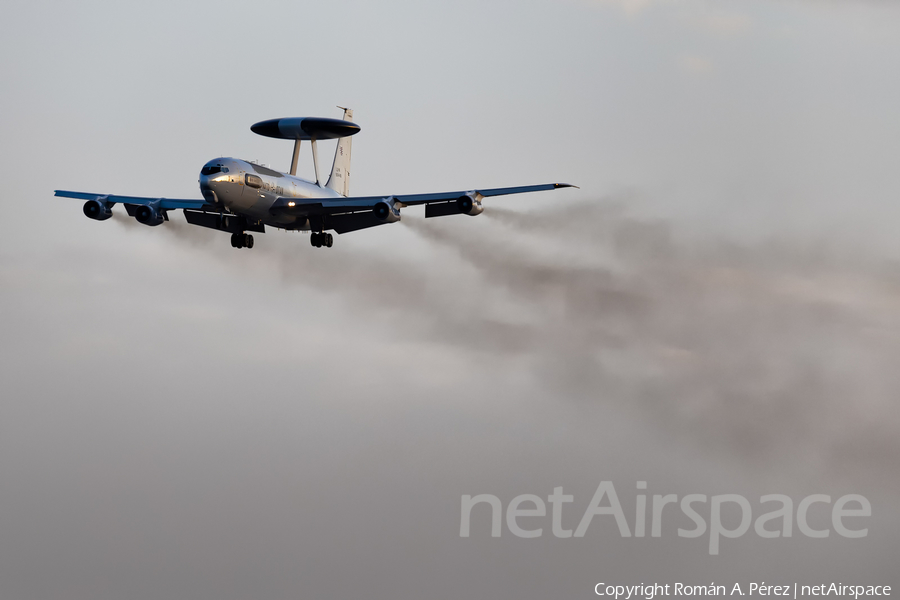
(148, 215)
(97, 210)
(388, 210)
(470, 206)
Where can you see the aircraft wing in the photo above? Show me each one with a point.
(300, 206)
(354, 213)
(414, 199)
(163, 203)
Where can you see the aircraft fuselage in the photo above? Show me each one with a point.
(249, 189)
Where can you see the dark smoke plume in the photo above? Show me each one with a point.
(757, 349)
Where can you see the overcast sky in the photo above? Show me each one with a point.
(716, 310)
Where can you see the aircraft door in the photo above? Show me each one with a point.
(249, 194)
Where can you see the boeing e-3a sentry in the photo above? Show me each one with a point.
(241, 196)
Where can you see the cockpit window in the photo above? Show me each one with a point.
(208, 170)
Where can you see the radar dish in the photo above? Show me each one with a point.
(305, 128)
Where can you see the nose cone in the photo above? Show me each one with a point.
(211, 171)
(206, 190)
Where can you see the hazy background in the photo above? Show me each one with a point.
(716, 310)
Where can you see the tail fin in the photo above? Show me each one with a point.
(339, 180)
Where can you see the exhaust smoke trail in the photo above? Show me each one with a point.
(756, 349)
(759, 349)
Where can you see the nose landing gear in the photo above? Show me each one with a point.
(241, 240)
(318, 239)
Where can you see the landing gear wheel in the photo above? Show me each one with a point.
(318, 239)
(237, 240)
(248, 240)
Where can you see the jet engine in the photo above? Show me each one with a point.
(468, 206)
(97, 210)
(388, 210)
(148, 215)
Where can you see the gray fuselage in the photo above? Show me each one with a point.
(249, 189)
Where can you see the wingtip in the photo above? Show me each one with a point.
(565, 185)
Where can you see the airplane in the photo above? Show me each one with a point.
(242, 196)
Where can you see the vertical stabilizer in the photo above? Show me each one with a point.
(339, 180)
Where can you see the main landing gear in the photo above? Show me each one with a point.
(319, 239)
(241, 240)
